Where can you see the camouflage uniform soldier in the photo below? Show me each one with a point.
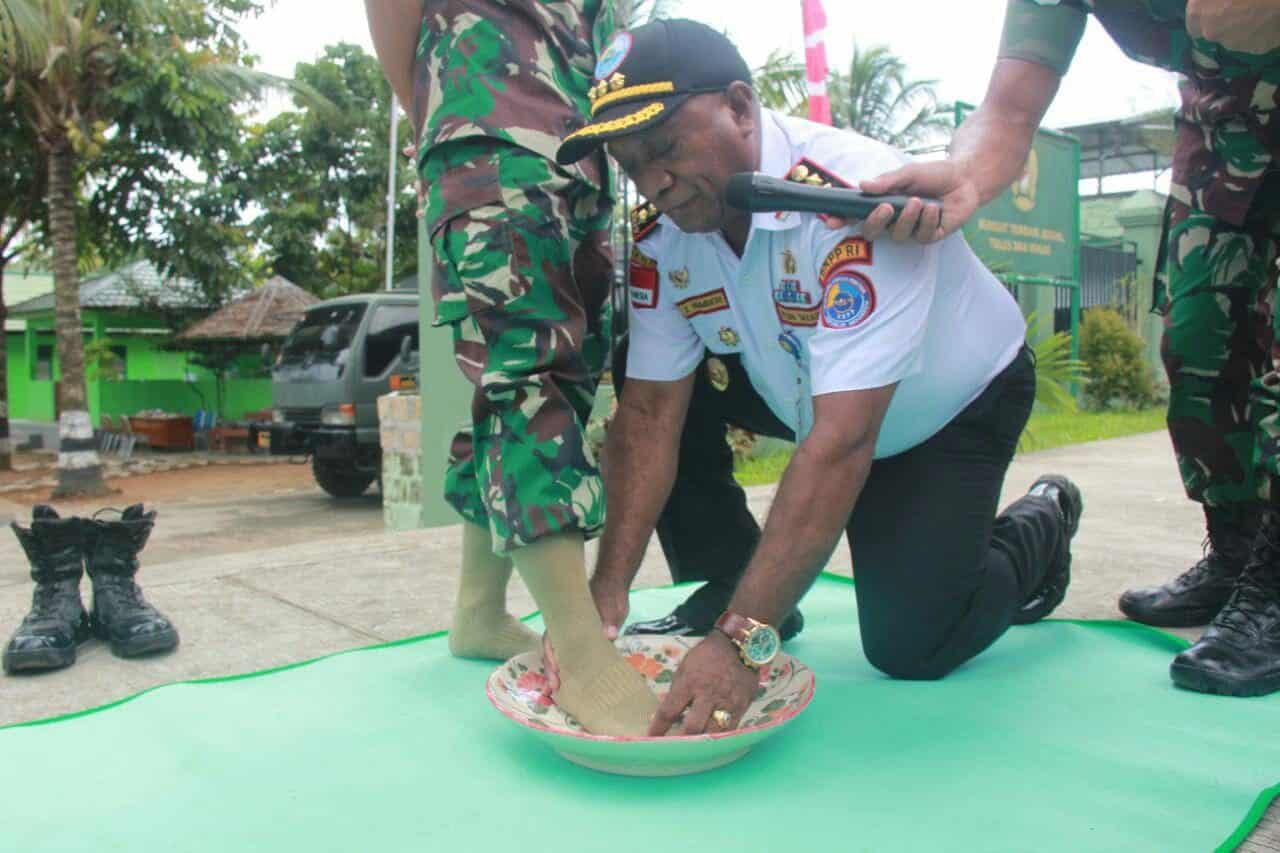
(1216, 282)
(521, 248)
(522, 278)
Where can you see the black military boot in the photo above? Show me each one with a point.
(1196, 596)
(1051, 592)
(121, 615)
(57, 623)
(1239, 654)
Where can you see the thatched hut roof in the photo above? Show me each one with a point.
(265, 313)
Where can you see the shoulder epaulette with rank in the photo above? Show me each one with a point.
(805, 171)
(644, 218)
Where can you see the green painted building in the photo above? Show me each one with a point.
(127, 315)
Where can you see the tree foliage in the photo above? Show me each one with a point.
(780, 83)
(318, 180)
(129, 101)
(877, 99)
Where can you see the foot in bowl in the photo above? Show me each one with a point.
(493, 636)
(597, 686)
(601, 690)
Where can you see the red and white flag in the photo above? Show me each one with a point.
(815, 60)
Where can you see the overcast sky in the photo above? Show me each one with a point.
(952, 42)
(949, 41)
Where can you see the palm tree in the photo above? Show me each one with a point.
(56, 59)
(75, 68)
(780, 83)
(877, 100)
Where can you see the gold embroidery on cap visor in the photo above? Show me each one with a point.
(603, 98)
(637, 117)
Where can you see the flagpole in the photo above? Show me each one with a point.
(814, 20)
(391, 191)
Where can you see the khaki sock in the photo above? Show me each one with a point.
(596, 685)
(482, 627)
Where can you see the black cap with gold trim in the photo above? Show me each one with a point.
(645, 74)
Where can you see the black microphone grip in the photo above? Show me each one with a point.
(757, 193)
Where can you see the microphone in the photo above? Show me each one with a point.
(758, 193)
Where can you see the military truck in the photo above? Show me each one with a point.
(327, 377)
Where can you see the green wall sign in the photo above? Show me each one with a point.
(1033, 228)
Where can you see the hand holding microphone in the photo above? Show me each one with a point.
(913, 217)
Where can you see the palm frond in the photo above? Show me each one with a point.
(876, 98)
(24, 35)
(1055, 368)
(240, 82)
(780, 81)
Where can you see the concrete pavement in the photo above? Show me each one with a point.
(266, 606)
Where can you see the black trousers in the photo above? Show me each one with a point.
(706, 531)
(939, 574)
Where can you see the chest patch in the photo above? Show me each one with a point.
(851, 250)
(789, 292)
(703, 303)
(792, 315)
(849, 299)
(643, 281)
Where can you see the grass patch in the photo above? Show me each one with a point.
(1062, 428)
(1044, 431)
(761, 470)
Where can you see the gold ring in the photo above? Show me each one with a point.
(722, 718)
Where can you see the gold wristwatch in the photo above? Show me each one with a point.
(758, 644)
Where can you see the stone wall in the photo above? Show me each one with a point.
(400, 424)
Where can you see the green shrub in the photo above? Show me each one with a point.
(1112, 353)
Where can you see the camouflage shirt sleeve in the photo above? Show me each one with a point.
(512, 71)
(1043, 31)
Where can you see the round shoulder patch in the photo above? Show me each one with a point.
(613, 55)
(849, 299)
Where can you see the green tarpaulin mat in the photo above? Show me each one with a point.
(1064, 736)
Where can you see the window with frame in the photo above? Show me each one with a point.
(387, 328)
(42, 370)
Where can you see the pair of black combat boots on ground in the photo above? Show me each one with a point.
(60, 550)
(1235, 588)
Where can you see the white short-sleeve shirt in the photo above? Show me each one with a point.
(814, 311)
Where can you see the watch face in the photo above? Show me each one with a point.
(762, 645)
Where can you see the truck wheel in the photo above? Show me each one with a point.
(339, 480)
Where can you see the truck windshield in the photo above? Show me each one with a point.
(324, 334)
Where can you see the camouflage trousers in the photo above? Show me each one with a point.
(1219, 348)
(523, 281)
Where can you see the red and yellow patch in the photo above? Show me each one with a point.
(852, 250)
(703, 303)
(792, 316)
(642, 280)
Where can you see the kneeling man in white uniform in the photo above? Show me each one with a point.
(901, 368)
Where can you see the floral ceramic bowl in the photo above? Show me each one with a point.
(518, 690)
